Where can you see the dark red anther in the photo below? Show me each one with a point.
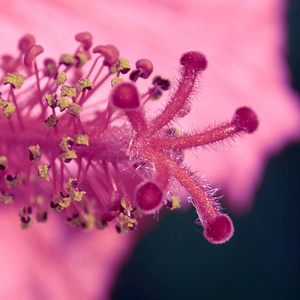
(110, 53)
(85, 38)
(194, 61)
(8, 63)
(245, 119)
(31, 54)
(125, 96)
(149, 197)
(26, 42)
(146, 66)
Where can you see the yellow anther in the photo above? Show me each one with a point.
(3, 103)
(12, 181)
(56, 207)
(71, 187)
(51, 122)
(34, 153)
(43, 172)
(82, 60)
(41, 215)
(175, 203)
(40, 200)
(51, 100)
(124, 206)
(85, 84)
(8, 110)
(116, 80)
(81, 139)
(74, 109)
(68, 91)
(6, 198)
(126, 224)
(66, 59)
(15, 79)
(60, 78)
(68, 152)
(63, 201)
(25, 217)
(66, 143)
(3, 162)
(67, 156)
(76, 221)
(122, 65)
(89, 222)
(100, 224)
(26, 222)
(63, 103)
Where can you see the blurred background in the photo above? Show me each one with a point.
(262, 260)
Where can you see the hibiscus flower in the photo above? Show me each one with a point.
(243, 43)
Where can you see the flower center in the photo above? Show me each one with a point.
(116, 163)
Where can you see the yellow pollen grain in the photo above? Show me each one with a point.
(82, 60)
(85, 84)
(51, 122)
(81, 139)
(60, 78)
(68, 91)
(122, 65)
(175, 202)
(65, 142)
(12, 182)
(89, 222)
(116, 80)
(74, 193)
(15, 79)
(8, 110)
(3, 162)
(63, 103)
(35, 153)
(124, 206)
(40, 200)
(66, 59)
(126, 224)
(3, 103)
(6, 199)
(43, 172)
(51, 100)
(61, 200)
(74, 109)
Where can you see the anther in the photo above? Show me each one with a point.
(85, 38)
(8, 63)
(50, 67)
(146, 66)
(3, 162)
(26, 42)
(31, 54)
(109, 52)
(41, 215)
(6, 198)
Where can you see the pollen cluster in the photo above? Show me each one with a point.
(118, 164)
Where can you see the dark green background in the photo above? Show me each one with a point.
(262, 260)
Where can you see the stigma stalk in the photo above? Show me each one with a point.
(115, 165)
